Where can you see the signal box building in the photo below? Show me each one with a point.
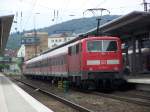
(34, 43)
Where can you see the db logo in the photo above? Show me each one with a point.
(103, 62)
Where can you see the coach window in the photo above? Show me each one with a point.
(57, 62)
(42, 63)
(52, 62)
(62, 60)
(33, 65)
(45, 62)
(65, 60)
(77, 48)
(39, 64)
(69, 51)
(49, 62)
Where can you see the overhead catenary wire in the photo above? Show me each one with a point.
(31, 13)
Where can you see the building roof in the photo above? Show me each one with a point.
(59, 35)
(56, 36)
(130, 24)
(31, 34)
(5, 26)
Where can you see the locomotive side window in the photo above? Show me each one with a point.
(80, 47)
(77, 48)
(109, 45)
(73, 50)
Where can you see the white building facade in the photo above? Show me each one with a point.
(21, 51)
(58, 39)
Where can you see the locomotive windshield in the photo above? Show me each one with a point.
(101, 45)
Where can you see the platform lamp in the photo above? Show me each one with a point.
(35, 32)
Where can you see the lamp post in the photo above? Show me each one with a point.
(35, 33)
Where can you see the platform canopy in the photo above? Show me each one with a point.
(5, 26)
(134, 23)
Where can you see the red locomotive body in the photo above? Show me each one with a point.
(85, 61)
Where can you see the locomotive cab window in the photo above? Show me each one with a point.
(109, 45)
(77, 48)
(94, 46)
(101, 46)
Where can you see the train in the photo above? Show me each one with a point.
(91, 62)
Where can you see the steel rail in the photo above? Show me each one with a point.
(133, 100)
(67, 102)
(133, 95)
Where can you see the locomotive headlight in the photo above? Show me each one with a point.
(115, 61)
(116, 68)
(90, 69)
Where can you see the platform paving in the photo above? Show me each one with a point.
(14, 99)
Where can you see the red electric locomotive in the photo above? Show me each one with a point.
(88, 62)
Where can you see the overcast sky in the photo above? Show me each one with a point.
(40, 13)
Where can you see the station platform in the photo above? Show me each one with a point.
(141, 81)
(14, 99)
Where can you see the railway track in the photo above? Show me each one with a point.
(137, 99)
(67, 102)
(135, 94)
